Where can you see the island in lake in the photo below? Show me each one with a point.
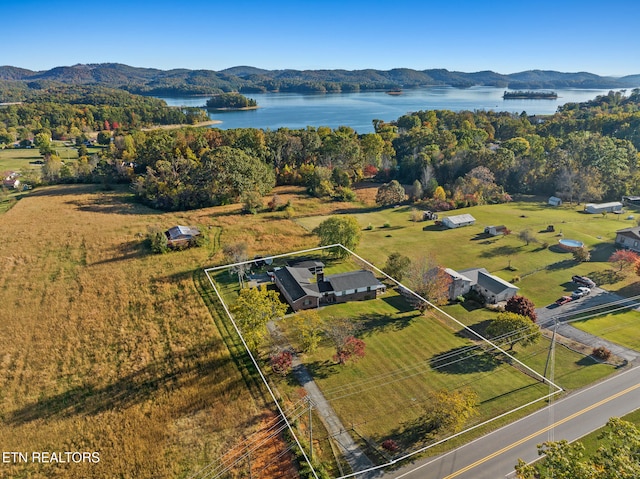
(530, 95)
(231, 101)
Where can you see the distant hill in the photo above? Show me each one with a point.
(250, 79)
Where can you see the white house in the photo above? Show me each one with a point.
(458, 221)
(595, 208)
(555, 201)
(492, 288)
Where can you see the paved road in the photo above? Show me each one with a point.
(598, 296)
(495, 455)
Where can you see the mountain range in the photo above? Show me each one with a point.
(248, 79)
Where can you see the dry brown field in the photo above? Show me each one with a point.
(107, 348)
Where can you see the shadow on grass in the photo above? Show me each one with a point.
(471, 305)
(134, 249)
(371, 323)
(113, 204)
(608, 276)
(505, 250)
(434, 228)
(632, 289)
(172, 372)
(558, 249)
(464, 360)
(601, 252)
(483, 236)
(399, 303)
(314, 370)
(564, 264)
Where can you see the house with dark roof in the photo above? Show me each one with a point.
(629, 238)
(305, 286)
(181, 236)
(492, 288)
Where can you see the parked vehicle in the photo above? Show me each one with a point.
(583, 281)
(580, 292)
(563, 300)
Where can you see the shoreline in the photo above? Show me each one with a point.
(182, 125)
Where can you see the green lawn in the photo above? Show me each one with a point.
(545, 271)
(407, 356)
(621, 328)
(18, 159)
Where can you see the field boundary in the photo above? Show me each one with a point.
(554, 388)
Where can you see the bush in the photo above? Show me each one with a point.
(369, 227)
(157, 241)
(281, 362)
(390, 445)
(387, 225)
(601, 353)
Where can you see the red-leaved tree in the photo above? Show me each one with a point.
(523, 306)
(281, 362)
(624, 258)
(351, 349)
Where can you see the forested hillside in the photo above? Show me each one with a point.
(586, 151)
(251, 80)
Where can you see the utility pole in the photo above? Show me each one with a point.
(310, 430)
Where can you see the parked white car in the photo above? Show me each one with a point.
(580, 292)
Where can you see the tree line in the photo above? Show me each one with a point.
(584, 152)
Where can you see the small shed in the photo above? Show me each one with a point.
(181, 236)
(496, 230)
(554, 201)
(611, 207)
(458, 220)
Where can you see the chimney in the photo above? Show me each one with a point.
(319, 275)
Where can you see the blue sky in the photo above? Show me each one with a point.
(503, 36)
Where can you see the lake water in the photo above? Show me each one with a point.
(357, 110)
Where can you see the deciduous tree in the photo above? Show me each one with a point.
(343, 230)
(429, 280)
(624, 258)
(390, 193)
(309, 328)
(253, 308)
(616, 458)
(396, 265)
(448, 411)
(512, 329)
(351, 349)
(281, 362)
(581, 254)
(523, 306)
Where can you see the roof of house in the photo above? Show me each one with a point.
(182, 231)
(633, 232)
(488, 281)
(457, 219)
(352, 280)
(455, 275)
(297, 282)
(300, 282)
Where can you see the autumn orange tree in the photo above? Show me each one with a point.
(624, 258)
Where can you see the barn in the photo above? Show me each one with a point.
(458, 221)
